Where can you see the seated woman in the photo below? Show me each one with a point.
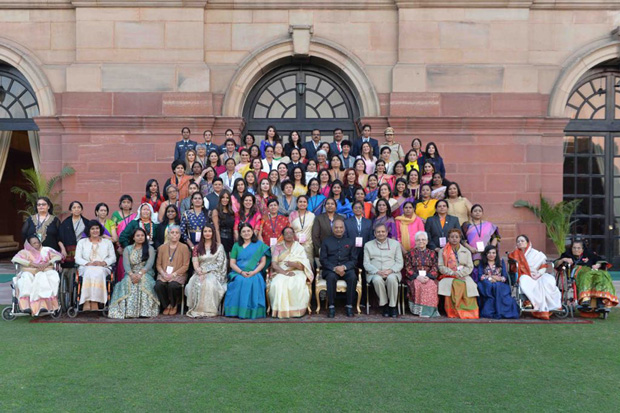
(421, 274)
(207, 286)
(95, 256)
(135, 296)
(37, 282)
(595, 288)
(539, 287)
(302, 222)
(495, 299)
(288, 292)
(245, 297)
(172, 265)
(455, 266)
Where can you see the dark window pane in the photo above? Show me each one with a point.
(569, 165)
(583, 208)
(598, 206)
(583, 166)
(582, 225)
(583, 144)
(598, 226)
(598, 165)
(583, 186)
(569, 185)
(598, 185)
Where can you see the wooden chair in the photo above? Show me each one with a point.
(268, 286)
(341, 287)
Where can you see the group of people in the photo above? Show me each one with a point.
(242, 227)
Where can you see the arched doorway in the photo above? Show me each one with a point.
(592, 158)
(301, 98)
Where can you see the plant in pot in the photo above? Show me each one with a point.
(38, 185)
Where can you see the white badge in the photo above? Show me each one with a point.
(442, 242)
(169, 269)
(302, 238)
(359, 242)
(273, 242)
(459, 268)
(480, 246)
(198, 234)
(422, 273)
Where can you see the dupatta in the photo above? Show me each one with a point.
(30, 255)
(450, 260)
(407, 228)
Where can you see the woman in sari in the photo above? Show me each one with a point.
(460, 206)
(360, 196)
(325, 183)
(302, 221)
(70, 232)
(382, 175)
(479, 234)
(595, 288)
(413, 183)
(272, 224)
(495, 299)
(207, 287)
(290, 273)
(44, 225)
(385, 192)
(109, 227)
(335, 168)
(428, 170)
(257, 168)
(402, 196)
(421, 274)
(315, 198)
(143, 220)
(372, 190)
(122, 218)
(179, 179)
(407, 226)
(248, 214)
(425, 207)
(343, 206)
(455, 284)
(383, 216)
(360, 167)
(95, 256)
(135, 296)
(298, 178)
(245, 297)
(438, 187)
(215, 162)
(263, 196)
(36, 284)
(539, 287)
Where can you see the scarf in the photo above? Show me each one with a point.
(404, 227)
(531, 259)
(449, 257)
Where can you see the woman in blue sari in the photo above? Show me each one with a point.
(245, 297)
(315, 199)
(495, 299)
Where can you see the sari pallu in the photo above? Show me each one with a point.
(315, 204)
(245, 297)
(484, 232)
(204, 295)
(303, 231)
(595, 285)
(289, 296)
(456, 285)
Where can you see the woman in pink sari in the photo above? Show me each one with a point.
(122, 218)
(479, 234)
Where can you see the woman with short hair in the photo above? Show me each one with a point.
(72, 230)
(421, 274)
(172, 264)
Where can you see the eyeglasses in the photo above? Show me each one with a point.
(42, 204)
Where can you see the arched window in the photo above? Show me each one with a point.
(592, 159)
(18, 103)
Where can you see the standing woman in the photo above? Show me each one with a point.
(325, 183)
(294, 142)
(109, 227)
(426, 206)
(439, 225)
(247, 142)
(122, 218)
(245, 297)
(263, 196)
(386, 193)
(397, 152)
(416, 147)
(230, 176)
(206, 186)
(190, 158)
(272, 224)
(144, 220)
(459, 205)
(431, 154)
(194, 220)
(274, 181)
(244, 164)
(207, 287)
(311, 170)
(383, 216)
(411, 161)
(360, 196)
(335, 168)
(170, 218)
(224, 222)
(248, 214)
(288, 203)
(237, 194)
(271, 137)
(279, 155)
(298, 178)
(257, 168)
(172, 265)
(302, 221)
(360, 167)
(479, 235)
(399, 171)
(152, 196)
(372, 190)
(421, 274)
(343, 206)
(44, 225)
(251, 182)
(413, 183)
(407, 226)
(201, 155)
(282, 172)
(179, 179)
(173, 198)
(71, 231)
(438, 186)
(135, 296)
(315, 198)
(255, 152)
(495, 299)
(401, 195)
(367, 156)
(350, 184)
(94, 256)
(428, 170)
(216, 163)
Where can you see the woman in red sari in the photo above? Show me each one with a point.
(273, 224)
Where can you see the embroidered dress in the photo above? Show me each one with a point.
(192, 224)
(205, 293)
(423, 298)
(289, 295)
(94, 277)
(273, 227)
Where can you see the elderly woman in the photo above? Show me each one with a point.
(143, 220)
(245, 297)
(421, 274)
(135, 296)
(71, 230)
(207, 286)
(495, 299)
(455, 266)
(95, 256)
(36, 284)
(172, 265)
(595, 288)
(539, 287)
(43, 225)
(291, 271)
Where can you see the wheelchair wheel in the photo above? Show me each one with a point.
(564, 313)
(56, 314)
(7, 314)
(72, 312)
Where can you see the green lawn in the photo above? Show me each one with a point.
(309, 367)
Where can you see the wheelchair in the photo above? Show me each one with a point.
(565, 275)
(71, 288)
(516, 292)
(13, 311)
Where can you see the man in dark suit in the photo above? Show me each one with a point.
(359, 229)
(338, 261)
(336, 146)
(357, 146)
(208, 137)
(183, 145)
(313, 146)
(346, 157)
(214, 197)
(438, 234)
(322, 227)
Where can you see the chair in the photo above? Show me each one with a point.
(398, 298)
(268, 286)
(341, 287)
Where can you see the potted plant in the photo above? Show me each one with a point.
(38, 185)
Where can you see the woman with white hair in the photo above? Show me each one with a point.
(421, 274)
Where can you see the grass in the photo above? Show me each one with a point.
(309, 367)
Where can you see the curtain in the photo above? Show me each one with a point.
(5, 144)
(35, 148)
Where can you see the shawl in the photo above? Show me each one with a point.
(29, 254)
(531, 260)
(449, 257)
(182, 184)
(41, 227)
(406, 229)
(297, 253)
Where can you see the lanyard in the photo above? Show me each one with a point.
(40, 223)
(359, 226)
(171, 254)
(273, 225)
(478, 229)
(303, 221)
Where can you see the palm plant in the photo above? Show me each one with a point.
(38, 185)
(557, 218)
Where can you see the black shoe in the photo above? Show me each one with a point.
(386, 311)
(393, 312)
(349, 311)
(332, 312)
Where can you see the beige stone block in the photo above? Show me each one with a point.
(488, 56)
(594, 16)
(332, 16)
(56, 74)
(228, 16)
(380, 77)
(31, 35)
(521, 79)
(63, 15)
(251, 36)
(63, 36)
(107, 14)
(107, 55)
(433, 15)
(379, 18)
(551, 16)
(300, 17)
(195, 78)
(497, 14)
(463, 35)
(548, 57)
(509, 36)
(84, 78)
(547, 76)
(138, 78)
(130, 35)
(15, 16)
(409, 78)
(224, 58)
(186, 35)
(354, 36)
(172, 14)
(423, 35)
(430, 56)
(221, 75)
(171, 55)
(94, 34)
(464, 78)
(542, 36)
(56, 56)
(218, 37)
(269, 16)
(384, 37)
(377, 57)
